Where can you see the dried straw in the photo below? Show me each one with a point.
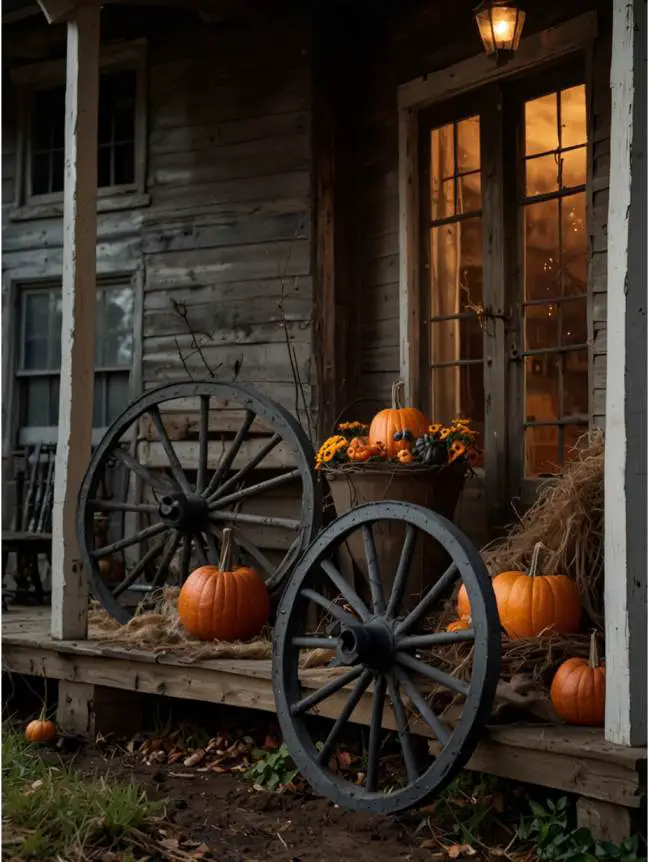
(568, 519)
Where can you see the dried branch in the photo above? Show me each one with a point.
(180, 309)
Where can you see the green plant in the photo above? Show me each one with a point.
(548, 828)
(51, 811)
(272, 769)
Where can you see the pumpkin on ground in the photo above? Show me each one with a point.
(40, 730)
(223, 602)
(530, 604)
(578, 691)
(398, 427)
(459, 625)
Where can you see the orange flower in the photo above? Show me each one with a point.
(405, 456)
(457, 449)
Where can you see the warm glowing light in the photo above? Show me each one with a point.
(500, 24)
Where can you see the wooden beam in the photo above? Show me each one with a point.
(69, 584)
(547, 46)
(625, 474)
(409, 269)
(58, 10)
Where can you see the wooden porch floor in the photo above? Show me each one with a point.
(565, 758)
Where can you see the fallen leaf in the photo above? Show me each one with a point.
(195, 758)
(456, 851)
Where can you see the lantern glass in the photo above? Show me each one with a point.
(500, 27)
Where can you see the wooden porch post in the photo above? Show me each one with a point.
(69, 585)
(626, 385)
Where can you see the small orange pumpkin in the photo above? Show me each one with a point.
(359, 449)
(530, 603)
(222, 602)
(578, 691)
(40, 730)
(112, 569)
(459, 625)
(404, 423)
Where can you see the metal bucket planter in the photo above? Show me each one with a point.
(436, 488)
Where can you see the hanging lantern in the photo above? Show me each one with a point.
(500, 24)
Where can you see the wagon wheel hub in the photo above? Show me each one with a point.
(372, 645)
(186, 512)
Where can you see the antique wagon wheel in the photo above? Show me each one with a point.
(387, 651)
(189, 504)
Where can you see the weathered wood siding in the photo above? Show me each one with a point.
(227, 233)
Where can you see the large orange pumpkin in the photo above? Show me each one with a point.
(407, 423)
(222, 602)
(532, 603)
(578, 691)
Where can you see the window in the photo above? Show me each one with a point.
(39, 358)
(121, 131)
(116, 135)
(541, 179)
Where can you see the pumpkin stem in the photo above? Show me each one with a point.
(225, 563)
(397, 389)
(536, 559)
(593, 658)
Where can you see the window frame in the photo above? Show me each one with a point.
(25, 435)
(30, 79)
(572, 41)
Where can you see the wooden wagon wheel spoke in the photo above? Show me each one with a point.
(380, 645)
(403, 569)
(159, 483)
(165, 562)
(329, 606)
(326, 691)
(141, 566)
(416, 698)
(261, 520)
(374, 576)
(435, 639)
(254, 462)
(433, 673)
(176, 468)
(253, 490)
(374, 746)
(171, 500)
(418, 613)
(231, 454)
(354, 699)
(147, 533)
(113, 506)
(405, 740)
(345, 590)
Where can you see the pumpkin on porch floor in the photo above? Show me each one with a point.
(530, 603)
(578, 691)
(224, 603)
(397, 427)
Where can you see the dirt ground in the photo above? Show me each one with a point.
(240, 824)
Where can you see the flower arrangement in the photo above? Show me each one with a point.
(437, 446)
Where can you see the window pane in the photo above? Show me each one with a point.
(124, 164)
(468, 145)
(119, 395)
(48, 119)
(542, 252)
(36, 328)
(573, 116)
(56, 182)
(37, 398)
(541, 125)
(556, 268)
(117, 326)
(469, 193)
(41, 174)
(104, 177)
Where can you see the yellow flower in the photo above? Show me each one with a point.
(443, 434)
(351, 426)
(434, 429)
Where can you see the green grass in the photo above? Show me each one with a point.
(52, 812)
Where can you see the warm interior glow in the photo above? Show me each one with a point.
(555, 275)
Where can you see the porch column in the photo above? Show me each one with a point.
(69, 585)
(625, 590)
